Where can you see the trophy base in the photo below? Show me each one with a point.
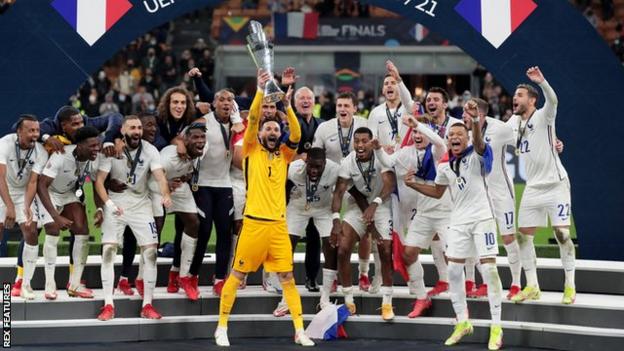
(273, 98)
(272, 92)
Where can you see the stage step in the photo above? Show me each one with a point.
(536, 323)
(606, 311)
(526, 334)
(598, 277)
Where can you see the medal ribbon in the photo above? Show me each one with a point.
(368, 175)
(226, 138)
(132, 164)
(195, 176)
(345, 142)
(82, 176)
(522, 130)
(394, 120)
(21, 164)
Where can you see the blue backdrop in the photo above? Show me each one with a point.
(44, 60)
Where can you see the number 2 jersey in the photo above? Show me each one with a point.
(536, 139)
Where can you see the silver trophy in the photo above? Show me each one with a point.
(261, 51)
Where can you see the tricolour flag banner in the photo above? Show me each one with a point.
(327, 324)
(296, 25)
(91, 18)
(496, 20)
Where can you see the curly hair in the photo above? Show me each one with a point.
(163, 106)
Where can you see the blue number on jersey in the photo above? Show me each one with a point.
(490, 239)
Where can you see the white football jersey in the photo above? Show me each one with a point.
(214, 170)
(536, 140)
(443, 129)
(468, 189)
(65, 170)
(381, 122)
(18, 167)
(326, 137)
(372, 188)
(173, 165)
(410, 158)
(236, 174)
(322, 197)
(498, 135)
(137, 192)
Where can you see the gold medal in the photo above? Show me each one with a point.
(307, 206)
(195, 187)
(129, 180)
(398, 139)
(517, 152)
(227, 154)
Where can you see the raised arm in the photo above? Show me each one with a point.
(439, 146)
(253, 123)
(293, 122)
(253, 120)
(472, 111)
(387, 161)
(204, 92)
(404, 93)
(550, 97)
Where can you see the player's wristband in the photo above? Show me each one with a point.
(475, 120)
(378, 200)
(99, 209)
(336, 215)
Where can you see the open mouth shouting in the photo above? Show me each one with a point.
(361, 152)
(456, 146)
(272, 141)
(133, 140)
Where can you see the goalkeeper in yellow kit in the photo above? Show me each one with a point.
(264, 237)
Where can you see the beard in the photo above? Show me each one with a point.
(131, 142)
(266, 143)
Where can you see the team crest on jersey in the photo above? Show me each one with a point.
(296, 193)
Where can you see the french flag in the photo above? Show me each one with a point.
(296, 25)
(495, 19)
(92, 18)
(419, 32)
(328, 323)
